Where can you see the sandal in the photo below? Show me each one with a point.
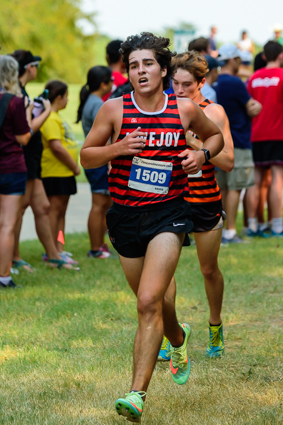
(26, 266)
(58, 264)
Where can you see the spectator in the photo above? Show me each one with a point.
(266, 86)
(212, 42)
(247, 48)
(117, 66)
(211, 77)
(201, 45)
(239, 107)
(278, 34)
(35, 195)
(99, 83)
(14, 132)
(259, 61)
(59, 159)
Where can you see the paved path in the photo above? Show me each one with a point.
(76, 218)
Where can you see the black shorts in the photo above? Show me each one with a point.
(33, 152)
(55, 186)
(268, 153)
(132, 228)
(206, 215)
(33, 164)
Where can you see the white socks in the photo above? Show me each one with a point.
(276, 225)
(252, 224)
(5, 280)
(228, 233)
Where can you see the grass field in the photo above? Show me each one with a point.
(66, 343)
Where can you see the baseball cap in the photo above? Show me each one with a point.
(25, 57)
(277, 27)
(229, 51)
(211, 62)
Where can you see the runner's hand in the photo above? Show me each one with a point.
(192, 161)
(133, 143)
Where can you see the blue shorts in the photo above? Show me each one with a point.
(13, 183)
(98, 179)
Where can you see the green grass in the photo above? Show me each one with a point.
(66, 342)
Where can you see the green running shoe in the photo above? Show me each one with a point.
(215, 346)
(164, 352)
(180, 363)
(131, 406)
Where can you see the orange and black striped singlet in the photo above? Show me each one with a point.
(164, 141)
(204, 189)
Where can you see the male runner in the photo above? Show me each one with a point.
(190, 69)
(149, 219)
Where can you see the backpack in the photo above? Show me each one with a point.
(4, 104)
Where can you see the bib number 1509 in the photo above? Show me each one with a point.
(152, 176)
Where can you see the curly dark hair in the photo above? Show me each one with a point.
(149, 41)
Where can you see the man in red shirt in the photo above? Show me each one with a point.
(266, 86)
(117, 66)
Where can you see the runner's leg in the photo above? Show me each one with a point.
(155, 271)
(208, 244)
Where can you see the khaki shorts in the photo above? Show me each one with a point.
(242, 175)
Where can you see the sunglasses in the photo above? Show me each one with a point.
(32, 64)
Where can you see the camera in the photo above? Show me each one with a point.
(38, 106)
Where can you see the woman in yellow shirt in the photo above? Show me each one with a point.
(59, 159)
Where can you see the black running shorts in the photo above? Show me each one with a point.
(132, 228)
(206, 215)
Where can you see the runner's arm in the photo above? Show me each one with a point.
(225, 159)
(107, 123)
(194, 119)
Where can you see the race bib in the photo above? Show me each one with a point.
(150, 176)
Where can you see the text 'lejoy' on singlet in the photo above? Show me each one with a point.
(155, 175)
(204, 189)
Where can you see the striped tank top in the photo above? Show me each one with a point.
(165, 140)
(204, 189)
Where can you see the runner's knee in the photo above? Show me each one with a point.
(148, 304)
(210, 272)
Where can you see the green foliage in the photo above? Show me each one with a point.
(52, 29)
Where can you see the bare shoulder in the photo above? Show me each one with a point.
(215, 112)
(185, 105)
(113, 104)
(188, 111)
(111, 112)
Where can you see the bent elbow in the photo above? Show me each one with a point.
(230, 165)
(25, 139)
(83, 161)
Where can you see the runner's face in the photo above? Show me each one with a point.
(185, 84)
(144, 71)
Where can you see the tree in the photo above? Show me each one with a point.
(50, 29)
